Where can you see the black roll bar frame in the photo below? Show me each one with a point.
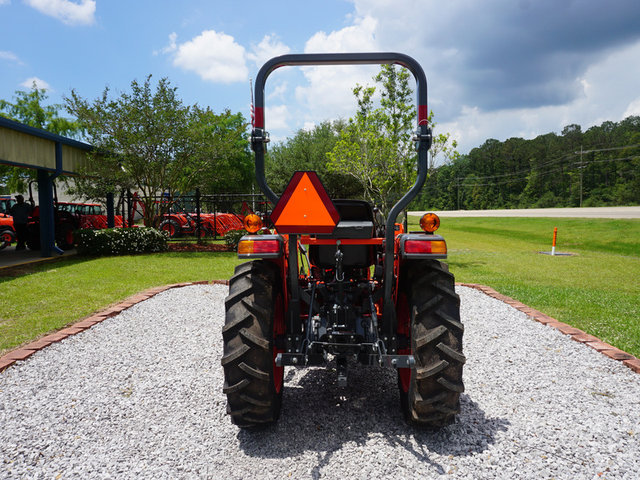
(423, 137)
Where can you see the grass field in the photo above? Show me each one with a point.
(596, 290)
(46, 297)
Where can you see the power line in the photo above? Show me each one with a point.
(552, 162)
(545, 173)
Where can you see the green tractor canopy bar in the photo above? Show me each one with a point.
(423, 138)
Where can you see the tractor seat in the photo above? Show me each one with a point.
(356, 222)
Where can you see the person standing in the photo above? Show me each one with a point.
(20, 212)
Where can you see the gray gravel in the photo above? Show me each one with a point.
(140, 396)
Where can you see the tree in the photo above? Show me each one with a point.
(307, 150)
(375, 147)
(225, 155)
(151, 142)
(29, 108)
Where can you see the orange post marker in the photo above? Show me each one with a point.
(555, 236)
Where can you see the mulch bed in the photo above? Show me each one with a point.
(194, 247)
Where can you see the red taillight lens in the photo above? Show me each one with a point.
(258, 246)
(425, 246)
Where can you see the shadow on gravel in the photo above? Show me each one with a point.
(318, 416)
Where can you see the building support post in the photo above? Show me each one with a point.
(111, 218)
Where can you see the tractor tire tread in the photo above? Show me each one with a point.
(433, 396)
(247, 359)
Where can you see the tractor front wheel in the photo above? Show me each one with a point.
(430, 392)
(254, 317)
(7, 237)
(171, 227)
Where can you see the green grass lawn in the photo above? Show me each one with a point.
(47, 297)
(597, 290)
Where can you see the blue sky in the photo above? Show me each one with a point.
(495, 68)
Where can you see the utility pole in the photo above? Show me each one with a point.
(581, 176)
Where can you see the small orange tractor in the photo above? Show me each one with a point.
(7, 231)
(89, 215)
(184, 224)
(367, 292)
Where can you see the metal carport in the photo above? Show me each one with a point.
(51, 155)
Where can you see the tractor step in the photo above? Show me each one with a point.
(398, 361)
(300, 359)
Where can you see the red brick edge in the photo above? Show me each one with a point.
(26, 351)
(576, 334)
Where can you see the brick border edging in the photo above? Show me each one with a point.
(575, 333)
(29, 349)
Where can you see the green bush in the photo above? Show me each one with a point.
(232, 237)
(121, 241)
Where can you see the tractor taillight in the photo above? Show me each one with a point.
(260, 246)
(423, 246)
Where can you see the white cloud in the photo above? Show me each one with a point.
(5, 2)
(214, 56)
(71, 13)
(632, 109)
(605, 97)
(40, 84)
(268, 48)
(276, 117)
(278, 91)
(359, 37)
(171, 47)
(328, 93)
(9, 56)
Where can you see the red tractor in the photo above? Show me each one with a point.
(184, 224)
(90, 215)
(65, 223)
(7, 232)
(368, 292)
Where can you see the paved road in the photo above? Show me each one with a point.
(586, 212)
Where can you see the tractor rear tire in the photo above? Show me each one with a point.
(254, 315)
(64, 236)
(33, 236)
(430, 397)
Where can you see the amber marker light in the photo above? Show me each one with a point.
(252, 223)
(429, 222)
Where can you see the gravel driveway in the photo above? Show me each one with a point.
(140, 396)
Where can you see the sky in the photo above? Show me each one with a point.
(495, 68)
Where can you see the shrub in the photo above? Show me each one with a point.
(121, 241)
(232, 237)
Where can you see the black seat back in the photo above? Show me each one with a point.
(356, 222)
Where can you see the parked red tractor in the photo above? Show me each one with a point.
(184, 224)
(90, 215)
(370, 293)
(65, 223)
(7, 231)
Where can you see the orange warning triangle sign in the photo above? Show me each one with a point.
(305, 207)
